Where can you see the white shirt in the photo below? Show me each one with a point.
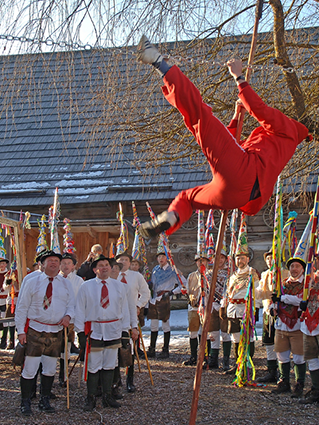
(30, 305)
(89, 309)
(138, 293)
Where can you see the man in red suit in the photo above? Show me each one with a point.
(243, 174)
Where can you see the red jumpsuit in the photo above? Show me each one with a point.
(235, 167)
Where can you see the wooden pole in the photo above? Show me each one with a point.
(208, 312)
(137, 357)
(259, 9)
(66, 367)
(145, 354)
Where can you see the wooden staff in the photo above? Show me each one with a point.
(74, 364)
(137, 357)
(66, 367)
(145, 354)
(79, 375)
(259, 9)
(199, 367)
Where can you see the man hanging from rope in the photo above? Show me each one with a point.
(243, 175)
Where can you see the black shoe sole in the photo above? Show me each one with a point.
(148, 231)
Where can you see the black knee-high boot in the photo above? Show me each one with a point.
(46, 386)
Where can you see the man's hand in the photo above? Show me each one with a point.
(138, 310)
(89, 257)
(134, 334)
(235, 67)
(22, 339)
(65, 321)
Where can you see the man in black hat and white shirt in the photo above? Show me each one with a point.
(138, 296)
(45, 308)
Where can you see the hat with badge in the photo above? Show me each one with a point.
(101, 258)
(49, 253)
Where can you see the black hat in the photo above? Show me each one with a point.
(4, 259)
(115, 263)
(49, 253)
(38, 257)
(67, 255)
(100, 258)
(296, 260)
(124, 254)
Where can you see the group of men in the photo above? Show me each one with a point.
(290, 325)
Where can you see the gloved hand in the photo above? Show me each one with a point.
(272, 312)
(171, 293)
(274, 298)
(82, 344)
(256, 315)
(145, 311)
(303, 305)
(8, 281)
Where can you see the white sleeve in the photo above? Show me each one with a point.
(79, 317)
(131, 299)
(22, 308)
(143, 291)
(126, 313)
(291, 299)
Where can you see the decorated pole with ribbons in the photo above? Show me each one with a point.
(311, 252)
(163, 238)
(277, 240)
(210, 244)
(233, 242)
(122, 242)
(289, 235)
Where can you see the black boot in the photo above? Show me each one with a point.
(193, 359)
(91, 384)
(272, 375)
(129, 380)
(3, 343)
(233, 369)
(300, 375)
(226, 352)
(62, 382)
(165, 351)
(26, 389)
(115, 386)
(213, 359)
(12, 339)
(46, 386)
(107, 377)
(312, 396)
(252, 349)
(151, 350)
(283, 385)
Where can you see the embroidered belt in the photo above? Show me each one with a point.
(237, 301)
(3, 297)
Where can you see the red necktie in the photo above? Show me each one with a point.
(123, 278)
(48, 295)
(105, 301)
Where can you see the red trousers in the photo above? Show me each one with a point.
(235, 168)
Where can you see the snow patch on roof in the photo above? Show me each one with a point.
(25, 185)
(83, 182)
(84, 174)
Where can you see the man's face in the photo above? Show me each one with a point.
(67, 266)
(126, 263)
(269, 261)
(135, 266)
(296, 270)
(102, 269)
(222, 261)
(51, 266)
(115, 271)
(241, 261)
(3, 266)
(201, 261)
(162, 260)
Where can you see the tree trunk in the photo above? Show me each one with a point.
(284, 61)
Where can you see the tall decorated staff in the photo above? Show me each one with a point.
(54, 218)
(245, 372)
(312, 242)
(201, 251)
(13, 269)
(139, 249)
(289, 235)
(42, 242)
(210, 243)
(26, 223)
(233, 242)
(277, 241)
(122, 242)
(163, 237)
(68, 241)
